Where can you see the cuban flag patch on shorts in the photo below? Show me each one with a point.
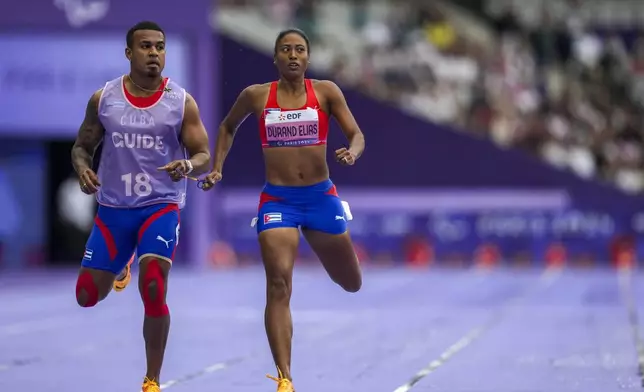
(272, 217)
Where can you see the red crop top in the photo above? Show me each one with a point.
(306, 126)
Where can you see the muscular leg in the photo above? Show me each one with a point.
(153, 286)
(338, 257)
(92, 286)
(279, 248)
(158, 238)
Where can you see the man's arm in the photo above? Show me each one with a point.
(90, 135)
(195, 138)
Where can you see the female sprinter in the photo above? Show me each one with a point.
(293, 118)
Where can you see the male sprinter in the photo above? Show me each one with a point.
(146, 122)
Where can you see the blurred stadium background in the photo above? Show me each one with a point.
(498, 131)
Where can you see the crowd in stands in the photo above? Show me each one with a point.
(556, 87)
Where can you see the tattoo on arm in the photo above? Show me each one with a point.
(90, 135)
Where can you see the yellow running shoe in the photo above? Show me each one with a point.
(150, 386)
(123, 279)
(283, 384)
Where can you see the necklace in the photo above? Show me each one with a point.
(145, 89)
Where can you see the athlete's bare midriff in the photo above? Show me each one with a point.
(296, 166)
(293, 166)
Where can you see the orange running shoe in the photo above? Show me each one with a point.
(123, 279)
(283, 384)
(150, 386)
